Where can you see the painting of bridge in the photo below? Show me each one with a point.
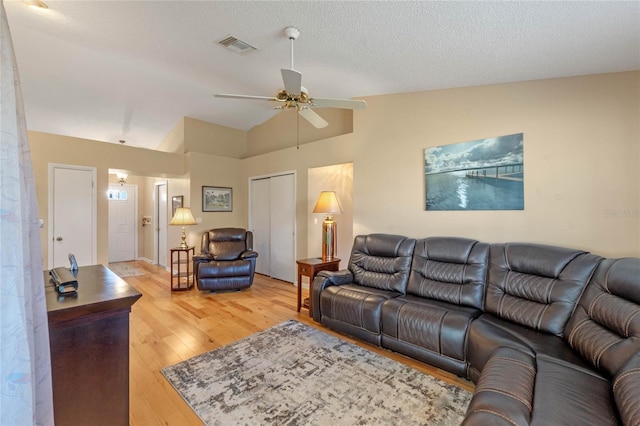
(484, 174)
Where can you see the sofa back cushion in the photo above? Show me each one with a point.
(605, 327)
(382, 261)
(536, 286)
(225, 243)
(449, 269)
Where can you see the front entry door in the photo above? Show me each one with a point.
(122, 222)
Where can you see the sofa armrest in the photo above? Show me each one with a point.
(248, 254)
(504, 393)
(323, 280)
(341, 277)
(626, 391)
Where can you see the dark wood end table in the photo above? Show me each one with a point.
(182, 273)
(310, 268)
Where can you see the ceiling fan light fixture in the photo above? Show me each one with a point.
(295, 96)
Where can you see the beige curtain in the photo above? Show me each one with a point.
(25, 365)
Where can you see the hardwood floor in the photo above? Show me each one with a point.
(167, 328)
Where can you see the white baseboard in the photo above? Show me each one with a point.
(144, 259)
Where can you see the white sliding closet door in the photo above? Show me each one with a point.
(261, 227)
(282, 227)
(273, 225)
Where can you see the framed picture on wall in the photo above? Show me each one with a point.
(176, 201)
(484, 174)
(217, 199)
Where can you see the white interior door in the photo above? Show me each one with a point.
(272, 220)
(122, 222)
(162, 251)
(260, 214)
(72, 215)
(282, 225)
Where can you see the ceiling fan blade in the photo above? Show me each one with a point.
(259, 98)
(292, 81)
(338, 103)
(312, 117)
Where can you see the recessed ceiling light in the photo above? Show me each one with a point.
(36, 4)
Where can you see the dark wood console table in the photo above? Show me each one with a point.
(89, 341)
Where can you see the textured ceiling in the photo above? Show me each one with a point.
(110, 70)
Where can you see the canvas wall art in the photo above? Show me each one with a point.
(484, 174)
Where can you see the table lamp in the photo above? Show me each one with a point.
(183, 217)
(328, 203)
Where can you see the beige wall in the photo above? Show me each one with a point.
(212, 170)
(209, 138)
(338, 178)
(47, 148)
(581, 155)
(174, 141)
(337, 150)
(281, 131)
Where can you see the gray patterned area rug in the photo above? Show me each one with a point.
(293, 374)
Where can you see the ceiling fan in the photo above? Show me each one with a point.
(295, 96)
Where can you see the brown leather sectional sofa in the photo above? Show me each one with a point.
(550, 335)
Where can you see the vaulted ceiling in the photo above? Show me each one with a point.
(111, 70)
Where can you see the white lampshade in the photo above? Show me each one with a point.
(328, 203)
(183, 217)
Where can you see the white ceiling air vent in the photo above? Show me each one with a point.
(236, 45)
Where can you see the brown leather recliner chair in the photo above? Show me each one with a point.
(227, 260)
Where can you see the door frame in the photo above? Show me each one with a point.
(94, 208)
(156, 215)
(135, 217)
(295, 209)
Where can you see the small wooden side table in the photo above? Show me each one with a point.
(310, 268)
(181, 270)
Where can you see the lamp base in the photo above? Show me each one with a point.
(183, 243)
(329, 239)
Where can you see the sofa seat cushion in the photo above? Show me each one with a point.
(488, 332)
(354, 309)
(218, 269)
(431, 331)
(224, 283)
(517, 388)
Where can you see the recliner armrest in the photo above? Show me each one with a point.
(198, 259)
(323, 280)
(341, 277)
(248, 254)
(203, 257)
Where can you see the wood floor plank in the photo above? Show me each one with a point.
(169, 327)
